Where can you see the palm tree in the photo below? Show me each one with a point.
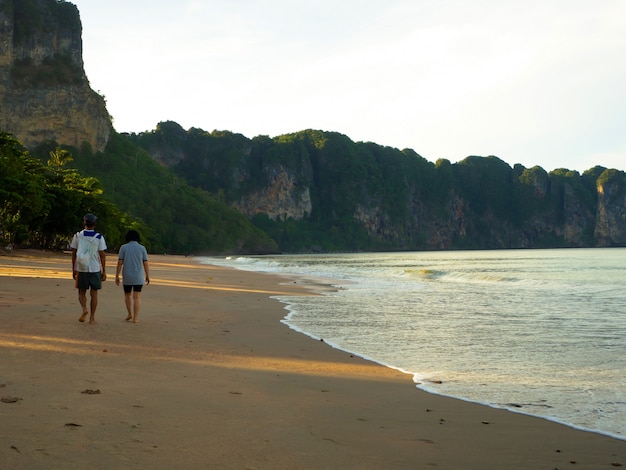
(59, 158)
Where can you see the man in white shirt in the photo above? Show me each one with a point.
(88, 265)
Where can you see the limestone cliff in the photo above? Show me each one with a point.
(280, 199)
(320, 189)
(44, 92)
(610, 229)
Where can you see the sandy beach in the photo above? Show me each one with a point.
(210, 379)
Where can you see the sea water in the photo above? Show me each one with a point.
(540, 332)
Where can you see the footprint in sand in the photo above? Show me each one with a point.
(10, 399)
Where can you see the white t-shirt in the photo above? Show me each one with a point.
(88, 244)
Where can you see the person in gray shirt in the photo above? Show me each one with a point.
(133, 264)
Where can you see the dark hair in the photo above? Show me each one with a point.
(133, 236)
(89, 220)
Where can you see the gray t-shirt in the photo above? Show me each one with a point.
(133, 254)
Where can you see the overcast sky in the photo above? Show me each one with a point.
(536, 82)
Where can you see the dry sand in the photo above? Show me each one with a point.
(210, 379)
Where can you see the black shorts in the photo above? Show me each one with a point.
(89, 280)
(128, 288)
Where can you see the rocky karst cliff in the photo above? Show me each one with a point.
(322, 185)
(610, 228)
(44, 92)
(281, 199)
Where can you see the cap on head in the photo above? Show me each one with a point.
(89, 220)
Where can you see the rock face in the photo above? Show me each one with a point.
(324, 185)
(44, 92)
(610, 229)
(281, 199)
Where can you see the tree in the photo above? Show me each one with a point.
(22, 190)
(59, 158)
(42, 206)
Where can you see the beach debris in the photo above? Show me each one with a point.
(91, 392)
(235, 393)
(16, 449)
(10, 399)
(73, 425)
(616, 464)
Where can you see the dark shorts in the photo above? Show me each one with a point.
(129, 288)
(89, 280)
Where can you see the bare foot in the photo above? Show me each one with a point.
(135, 321)
(129, 318)
(83, 316)
(92, 321)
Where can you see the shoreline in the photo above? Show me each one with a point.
(419, 385)
(546, 396)
(211, 378)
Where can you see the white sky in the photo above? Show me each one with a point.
(536, 82)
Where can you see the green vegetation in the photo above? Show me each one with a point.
(484, 183)
(42, 206)
(176, 217)
(47, 21)
(178, 187)
(404, 201)
(55, 71)
(341, 176)
(618, 178)
(32, 17)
